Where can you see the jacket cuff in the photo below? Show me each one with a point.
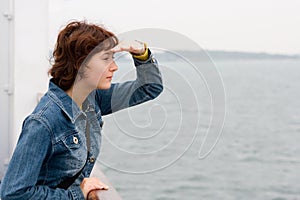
(150, 59)
(76, 192)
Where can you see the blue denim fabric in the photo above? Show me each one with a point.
(52, 145)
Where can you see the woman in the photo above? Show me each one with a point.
(60, 140)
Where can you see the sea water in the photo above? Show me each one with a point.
(151, 151)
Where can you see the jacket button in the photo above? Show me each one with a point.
(92, 160)
(153, 60)
(75, 140)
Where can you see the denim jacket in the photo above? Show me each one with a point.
(53, 144)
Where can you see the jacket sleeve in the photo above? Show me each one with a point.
(32, 150)
(147, 86)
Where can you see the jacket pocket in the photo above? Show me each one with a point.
(73, 141)
(71, 152)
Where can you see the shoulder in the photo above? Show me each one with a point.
(48, 113)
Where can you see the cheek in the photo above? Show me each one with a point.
(96, 77)
(98, 72)
(93, 77)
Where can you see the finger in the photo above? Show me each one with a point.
(103, 185)
(98, 187)
(94, 187)
(130, 46)
(121, 46)
(138, 47)
(97, 183)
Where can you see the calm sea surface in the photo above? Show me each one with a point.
(151, 151)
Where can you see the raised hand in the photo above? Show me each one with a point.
(134, 47)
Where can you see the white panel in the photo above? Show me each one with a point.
(24, 65)
(31, 57)
(4, 84)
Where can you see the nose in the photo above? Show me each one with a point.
(113, 67)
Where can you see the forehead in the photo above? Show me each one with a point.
(104, 53)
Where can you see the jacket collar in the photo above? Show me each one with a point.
(64, 101)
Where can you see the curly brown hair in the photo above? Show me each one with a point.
(76, 43)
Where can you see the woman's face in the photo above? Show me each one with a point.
(100, 69)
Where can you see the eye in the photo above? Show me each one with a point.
(109, 58)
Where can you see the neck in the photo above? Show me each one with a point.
(78, 93)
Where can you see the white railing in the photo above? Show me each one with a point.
(110, 194)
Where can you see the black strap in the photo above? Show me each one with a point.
(65, 184)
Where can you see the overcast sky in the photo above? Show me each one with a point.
(254, 25)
